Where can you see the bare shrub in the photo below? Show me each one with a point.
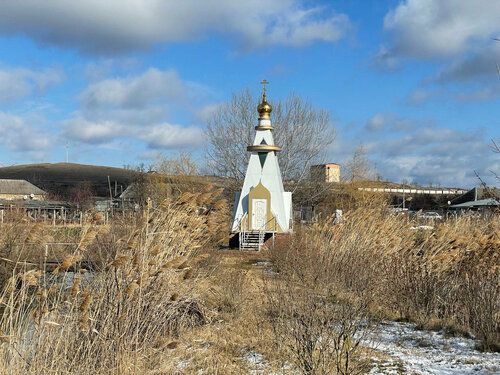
(321, 335)
(314, 320)
(481, 297)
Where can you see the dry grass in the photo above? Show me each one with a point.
(105, 321)
(449, 275)
(156, 300)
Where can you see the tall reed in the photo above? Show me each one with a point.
(104, 321)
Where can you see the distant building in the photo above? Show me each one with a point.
(130, 193)
(20, 189)
(325, 172)
(477, 198)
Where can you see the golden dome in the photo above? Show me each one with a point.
(264, 108)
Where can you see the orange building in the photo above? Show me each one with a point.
(326, 172)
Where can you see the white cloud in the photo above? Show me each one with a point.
(146, 98)
(137, 107)
(157, 136)
(16, 83)
(436, 154)
(467, 94)
(388, 122)
(140, 116)
(456, 34)
(150, 155)
(87, 131)
(473, 67)
(114, 26)
(478, 95)
(385, 60)
(376, 123)
(172, 136)
(434, 29)
(17, 135)
(419, 96)
(135, 92)
(421, 151)
(204, 113)
(428, 170)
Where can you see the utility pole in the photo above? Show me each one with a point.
(67, 152)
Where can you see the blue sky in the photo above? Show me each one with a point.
(415, 81)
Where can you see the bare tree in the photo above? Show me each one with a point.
(495, 146)
(358, 167)
(304, 132)
(179, 164)
(169, 176)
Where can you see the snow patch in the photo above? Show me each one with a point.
(429, 353)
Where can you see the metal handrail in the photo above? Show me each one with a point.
(243, 218)
(264, 226)
(261, 231)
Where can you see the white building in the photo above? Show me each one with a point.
(262, 206)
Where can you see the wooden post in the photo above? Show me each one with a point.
(110, 196)
(123, 201)
(54, 217)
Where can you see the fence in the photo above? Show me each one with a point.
(60, 216)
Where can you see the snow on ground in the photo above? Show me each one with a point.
(406, 350)
(255, 362)
(401, 349)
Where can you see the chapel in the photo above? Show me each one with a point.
(262, 208)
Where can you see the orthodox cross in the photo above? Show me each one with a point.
(264, 83)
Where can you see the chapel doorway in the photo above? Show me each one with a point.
(259, 214)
